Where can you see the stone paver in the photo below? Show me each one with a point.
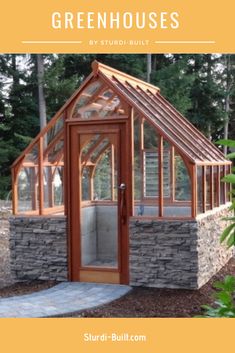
(64, 298)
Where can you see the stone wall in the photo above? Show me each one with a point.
(163, 253)
(211, 254)
(177, 254)
(38, 247)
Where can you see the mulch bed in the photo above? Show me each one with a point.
(148, 302)
(28, 287)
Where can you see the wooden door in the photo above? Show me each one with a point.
(98, 207)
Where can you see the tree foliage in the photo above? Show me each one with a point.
(195, 85)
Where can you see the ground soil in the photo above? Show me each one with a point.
(26, 287)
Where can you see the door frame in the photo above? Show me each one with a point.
(72, 197)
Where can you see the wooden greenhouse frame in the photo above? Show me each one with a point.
(109, 104)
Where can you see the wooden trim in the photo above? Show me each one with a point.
(218, 186)
(99, 68)
(204, 189)
(99, 276)
(194, 190)
(211, 187)
(230, 185)
(50, 188)
(40, 176)
(99, 269)
(131, 155)
(34, 191)
(112, 163)
(14, 192)
(141, 144)
(75, 203)
(160, 176)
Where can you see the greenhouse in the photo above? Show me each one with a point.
(119, 188)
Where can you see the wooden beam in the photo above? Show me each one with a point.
(14, 192)
(217, 186)
(141, 143)
(112, 163)
(131, 169)
(211, 188)
(33, 184)
(194, 190)
(40, 176)
(204, 189)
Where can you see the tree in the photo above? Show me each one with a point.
(41, 96)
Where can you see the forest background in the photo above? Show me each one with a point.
(34, 86)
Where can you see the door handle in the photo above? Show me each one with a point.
(122, 188)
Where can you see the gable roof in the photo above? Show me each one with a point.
(148, 101)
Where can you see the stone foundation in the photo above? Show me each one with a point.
(163, 253)
(177, 254)
(38, 247)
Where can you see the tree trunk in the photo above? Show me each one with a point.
(149, 66)
(41, 96)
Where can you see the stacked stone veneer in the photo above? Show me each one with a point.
(177, 254)
(38, 247)
(163, 254)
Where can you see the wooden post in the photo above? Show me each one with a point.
(160, 176)
(203, 189)
(142, 157)
(211, 187)
(33, 185)
(131, 155)
(218, 186)
(40, 177)
(14, 192)
(50, 187)
(194, 190)
(112, 162)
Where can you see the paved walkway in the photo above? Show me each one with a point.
(61, 299)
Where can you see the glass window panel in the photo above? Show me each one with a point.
(89, 146)
(32, 155)
(55, 129)
(182, 180)
(216, 188)
(145, 169)
(222, 185)
(57, 185)
(228, 185)
(208, 188)
(150, 174)
(100, 148)
(199, 189)
(86, 184)
(150, 136)
(137, 161)
(103, 178)
(47, 186)
(27, 189)
(55, 152)
(96, 102)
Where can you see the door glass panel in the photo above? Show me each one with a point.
(99, 205)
